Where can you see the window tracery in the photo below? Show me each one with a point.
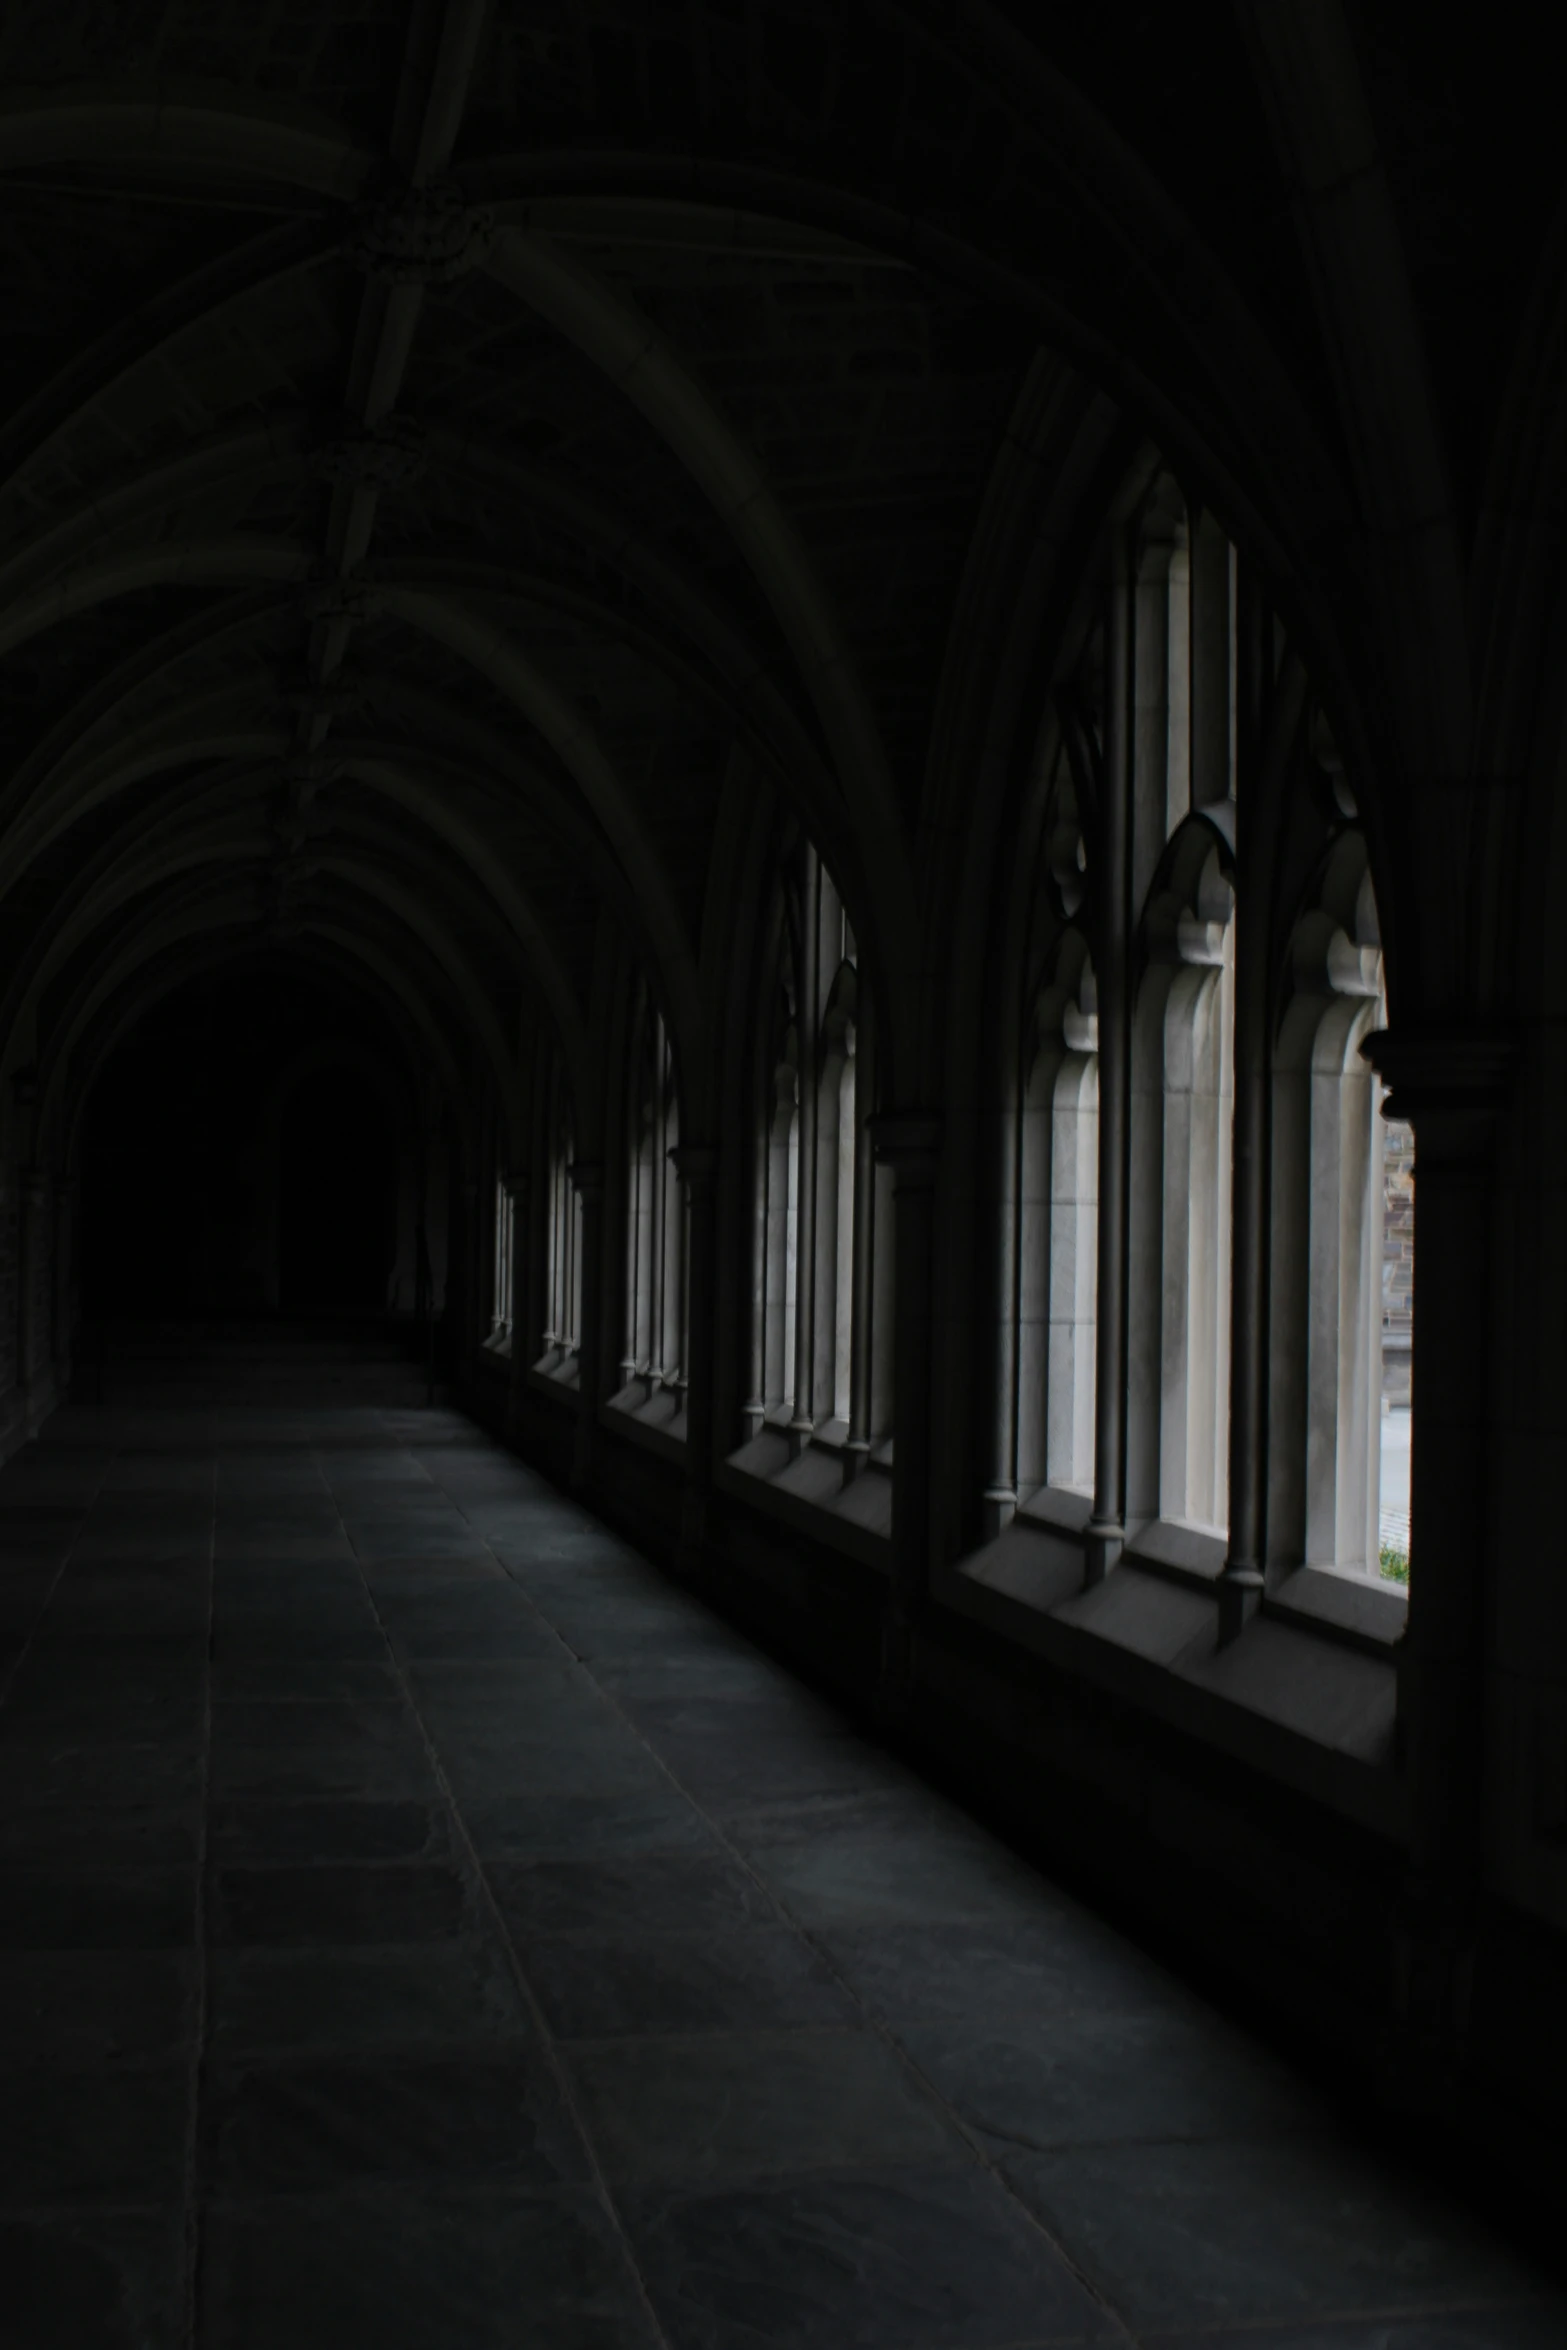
(653, 1363)
(501, 1267)
(563, 1237)
(1115, 1390)
(1329, 1151)
(820, 1369)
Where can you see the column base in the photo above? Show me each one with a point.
(1240, 1596)
(998, 1508)
(1102, 1548)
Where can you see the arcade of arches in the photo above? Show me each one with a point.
(820, 737)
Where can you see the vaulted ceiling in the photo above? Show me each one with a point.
(455, 459)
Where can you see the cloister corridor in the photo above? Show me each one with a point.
(422, 1923)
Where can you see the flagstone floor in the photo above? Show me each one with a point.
(422, 1925)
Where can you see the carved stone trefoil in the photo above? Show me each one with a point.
(329, 600)
(391, 457)
(422, 237)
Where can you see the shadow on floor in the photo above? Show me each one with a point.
(422, 1925)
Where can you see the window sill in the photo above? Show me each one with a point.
(659, 1414)
(1057, 1506)
(1353, 1609)
(832, 1436)
(1309, 1699)
(811, 1493)
(560, 1368)
(1193, 1555)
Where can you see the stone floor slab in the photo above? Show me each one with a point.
(937, 2258)
(544, 1956)
(415, 2273)
(751, 2105)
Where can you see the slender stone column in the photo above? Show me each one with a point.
(808, 1014)
(517, 1185)
(696, 1165)
(1112, 972)
(1451, 1086)
(857, 1449)
(909, 1142)
(999, 1500)
(1241, 1582)
(588, 1177)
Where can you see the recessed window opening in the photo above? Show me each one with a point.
(1342, 1276)
(653, 1368)
(563, 1238)
(1182, 823)
(1150, 880)
(1397, 1365)
(501, 1268)
(1182, 1111)
(1048, 1142)
(1057, 1254)
(820, 1289)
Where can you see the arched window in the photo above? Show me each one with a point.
(501, 1291)
(1183, 1033)
(1398, 1330)
(820, 1378)
(1335, 1164)
(1049, 1211)
(563, 1238)
(1130, 853)
(653, 1355)
(1189, 806)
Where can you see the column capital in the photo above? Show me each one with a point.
(1443, 1066)
(1450, 1080)
(587, 1176)
(514, 1182)
(908, 1141)
(696, 1164)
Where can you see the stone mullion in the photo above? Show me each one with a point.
(860, 1335)
(910, 1143)
(1241, 1582)
(676, 1321)
(808, 1015)
(633, 1164)
(1000, 1495)
(761, 1198)
(1107, 1526)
